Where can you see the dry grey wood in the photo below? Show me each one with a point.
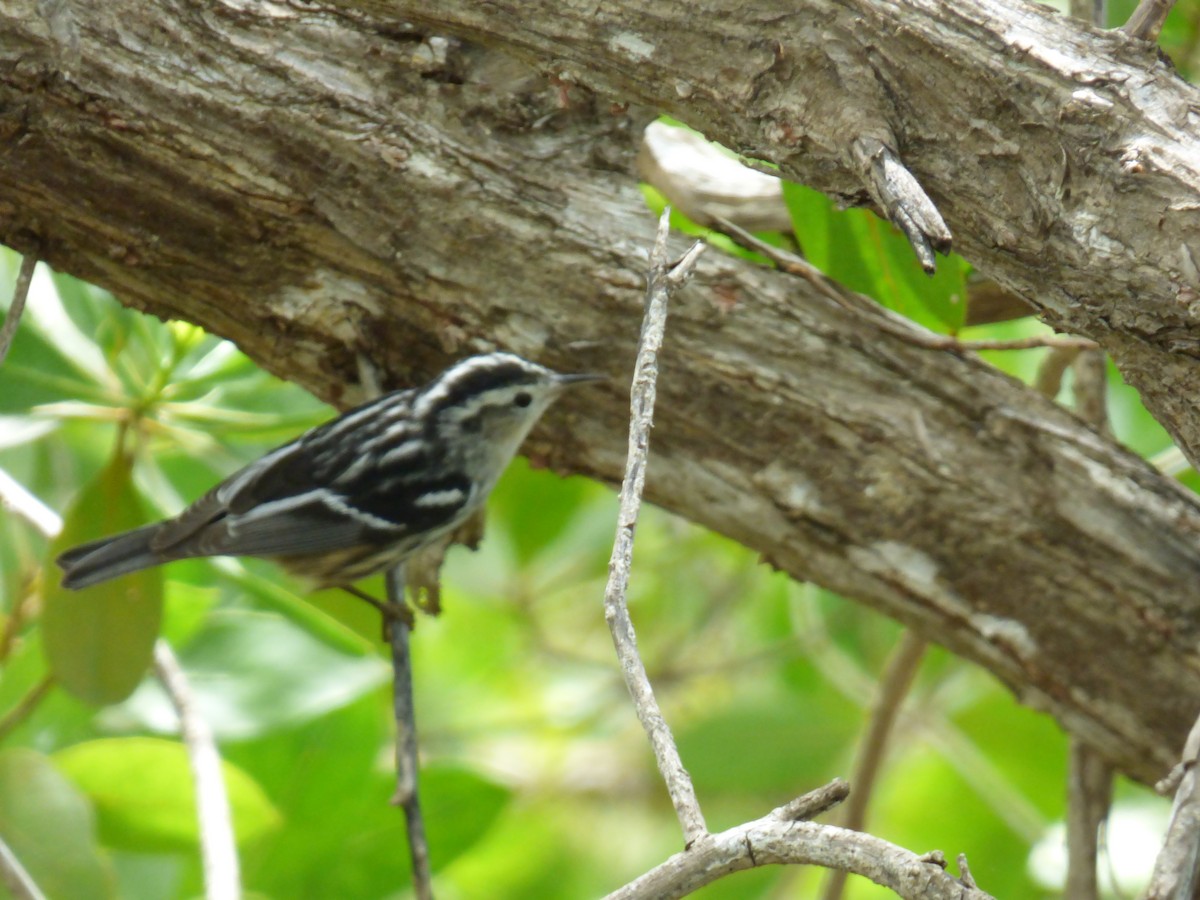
(218, 848)
(13, 317)
(1177, 868)
(266, 182)
(704, 183)
(1147, 20)
(783, 837)
(1019, 123)
(899, 195)
(664, 278)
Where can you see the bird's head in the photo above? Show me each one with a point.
(486, 405)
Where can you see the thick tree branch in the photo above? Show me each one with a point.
(1061, 157)
(317, 187)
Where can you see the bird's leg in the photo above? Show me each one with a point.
(391, 612)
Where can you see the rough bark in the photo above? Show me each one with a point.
(315, 186)
(1063, 158)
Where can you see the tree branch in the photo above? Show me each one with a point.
(783, 836)
(1147, 20)
(217, 844)
(1177, 869)
(665, 277)
(894, 685)
(13, 317)
(407, 796)
(918, 481)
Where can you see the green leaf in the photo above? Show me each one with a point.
(99, 640)
(252, 673)
(142, 789)
(868, 255)
(48, 825)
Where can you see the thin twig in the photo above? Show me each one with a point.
(1051, 369)
(407, 796)
(1147, 20)
(663, 280)
(1089, 775)
(398, 624)
(1091, 389)
(782, 837)
(15, 877)
(1093, 11)
(1089, 794)
(1177, 869)
(20, 292)
(218, 848)
(863, 307)
(894, 686)
(26, 705)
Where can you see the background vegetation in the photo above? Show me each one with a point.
(537, 781)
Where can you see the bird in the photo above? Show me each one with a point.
(358, 494)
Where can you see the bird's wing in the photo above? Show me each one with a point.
(365, 477)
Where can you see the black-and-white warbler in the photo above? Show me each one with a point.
(360, 493)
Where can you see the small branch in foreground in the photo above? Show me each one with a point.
(1177, 869)
(1147, 20)
(783, 836)
(14, 876)
(894, 685)
(864, 307)
(664, 278)
(218, 849)
(20, 292)
(407, 796)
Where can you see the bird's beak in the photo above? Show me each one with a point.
(581, 378)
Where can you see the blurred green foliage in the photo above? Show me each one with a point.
(536, 778)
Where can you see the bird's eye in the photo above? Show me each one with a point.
(522, 399)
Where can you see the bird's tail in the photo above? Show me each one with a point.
(109, 557)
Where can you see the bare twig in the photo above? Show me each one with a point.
(1094, 11)
(894, 685)
(20, 292)
(1177, 869)
(1147, 20)
(866, 308)
(782, 837)
(407, 796)
(1091, 389)
(1052, 368)
(14, 876)
(218, 848)
(1089, 793)
(664, 278)
(1089, 775)
(26, 705)
(398, 623)
(903, 199)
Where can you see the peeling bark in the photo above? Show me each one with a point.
(315, 186)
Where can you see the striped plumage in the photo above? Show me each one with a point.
(359, 493)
